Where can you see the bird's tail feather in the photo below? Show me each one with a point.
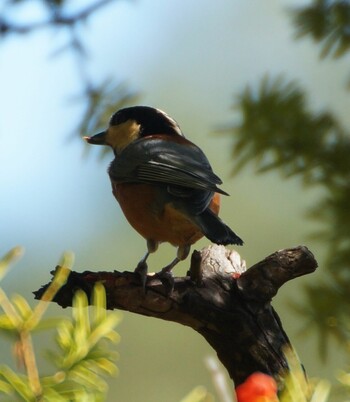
(216, 230)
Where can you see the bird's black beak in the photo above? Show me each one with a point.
(97, 139)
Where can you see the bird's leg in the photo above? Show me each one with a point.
(142, 267)
(165, 275)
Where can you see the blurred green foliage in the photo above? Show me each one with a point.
(279, 131)
(298, 388)
(83, 356)
(328, 23)
(199, 394)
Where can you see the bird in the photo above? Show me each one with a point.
(164, 185)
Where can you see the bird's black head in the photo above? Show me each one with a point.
(134, 122)
(151, 120)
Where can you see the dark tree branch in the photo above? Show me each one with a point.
(220, 299)
(57, 18)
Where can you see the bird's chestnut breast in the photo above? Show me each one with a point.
(148, 211)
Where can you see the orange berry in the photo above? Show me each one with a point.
(258, 387)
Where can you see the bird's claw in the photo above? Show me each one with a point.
(167, 279)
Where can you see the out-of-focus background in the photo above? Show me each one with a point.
(190, 59)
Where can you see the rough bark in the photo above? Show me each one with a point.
(219, 298)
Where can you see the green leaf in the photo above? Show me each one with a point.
(99, 312)
(7, 324)
(8, 259)
(22, 306)
(5, 388)
(105, 330)
(19, 383)
(64, 336)
(87, 378)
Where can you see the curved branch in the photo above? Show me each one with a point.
(220, 299)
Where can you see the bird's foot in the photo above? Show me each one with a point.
(141, 270)
(167, 279)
